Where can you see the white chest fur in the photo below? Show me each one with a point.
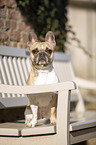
(46, 77)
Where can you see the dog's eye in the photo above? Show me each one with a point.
(35, 51)
(48, 50)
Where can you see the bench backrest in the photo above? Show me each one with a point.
(15, 66)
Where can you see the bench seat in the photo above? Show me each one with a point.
(79, 130)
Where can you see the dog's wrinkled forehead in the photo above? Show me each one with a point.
(48, 43)
(41, 46)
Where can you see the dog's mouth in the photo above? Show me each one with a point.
(42, 60)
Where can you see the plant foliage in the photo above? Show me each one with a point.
(46, 15)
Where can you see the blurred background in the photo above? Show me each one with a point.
(73, 23)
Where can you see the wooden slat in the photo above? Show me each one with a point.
(10, 61)
(13, 73)
(48, 129)
(72, 74)
(59, 56)
(3, 71)
(59, 71)
(8, 74)
(19, 129)
(22, 77)
(17, 71)
(9, 129)
(28, 64)
(9, 132)
(14, 52)
(82, 135)
(68, 74)
(13, 102)
(21, 70)
(4, 75)
(1, 78)
(63, 71)
(25, 68)
(83, 125)
(7, 71)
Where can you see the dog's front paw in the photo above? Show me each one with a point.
(28, 119)
(32, 123)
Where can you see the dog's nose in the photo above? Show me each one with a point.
(41, 54)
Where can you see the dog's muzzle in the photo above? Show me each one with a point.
(42, 59)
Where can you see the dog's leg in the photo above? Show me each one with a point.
(53, 109)
(33, 122)
(28, 119)
(53, 115)
(28, 115)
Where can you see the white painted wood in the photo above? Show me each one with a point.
(80, 107)
(3, 71)
(3, 74)
(47, 129)
(63, 71)
(61, 57)
(9, 132)
(62, 76)
(22, 78)
(25, 68)
(38, 140)
(10, 61)
(14, 52)
(37, 88)
(82, 135)
(13, 102)
(86, 84)
(63, 109)
(8, 74)
(13, 73)
(7, 71)
(28, 63)
(1, 78)
(17, 71)
(82, 125)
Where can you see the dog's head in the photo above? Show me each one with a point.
(41, 53)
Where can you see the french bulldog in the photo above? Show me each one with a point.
(42, 72)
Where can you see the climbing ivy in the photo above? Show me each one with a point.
(46, 15)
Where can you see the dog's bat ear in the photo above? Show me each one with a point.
(32, 39)
(50, 37)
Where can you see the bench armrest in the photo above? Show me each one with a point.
(36, 89)
(86, 84)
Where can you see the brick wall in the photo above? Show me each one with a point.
(13, 29)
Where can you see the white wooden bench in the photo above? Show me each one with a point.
(74, 124)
